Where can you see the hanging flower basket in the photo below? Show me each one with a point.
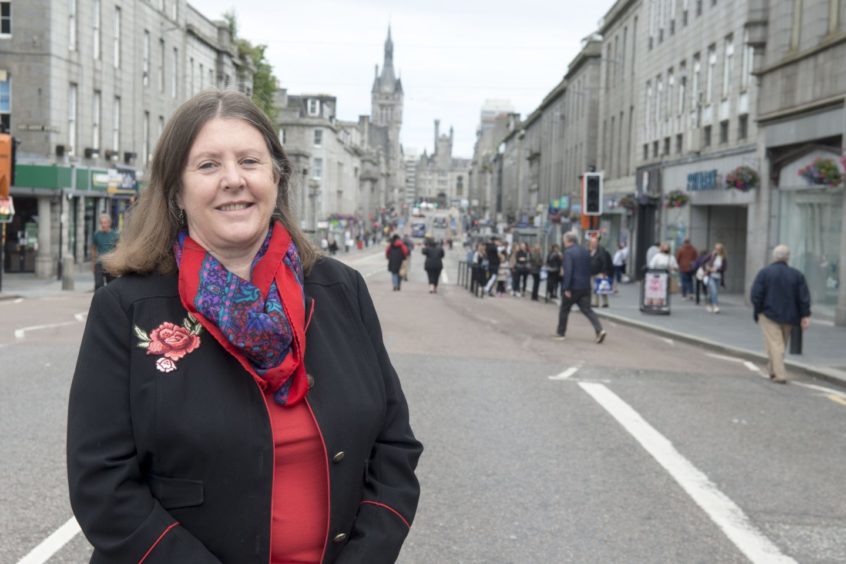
(743, 178)
(823, 172)
(677, 199)
(628, 202)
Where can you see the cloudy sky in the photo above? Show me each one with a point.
(452, 55)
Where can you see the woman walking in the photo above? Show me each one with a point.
(396, 254)
(434, 264)
(715, 265)
(554, 261)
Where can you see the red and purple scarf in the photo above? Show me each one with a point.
(261, 322)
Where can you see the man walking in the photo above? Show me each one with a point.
(576, 287)
(686, 257)
(103, 241)
(781, 301)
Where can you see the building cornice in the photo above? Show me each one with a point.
(828, 43)
(612, 16)
(832, 102)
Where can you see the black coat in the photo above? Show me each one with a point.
(434, 258)
(396, 253)
(601, 262)
(576, 268)
(781, 294)
(148, 450)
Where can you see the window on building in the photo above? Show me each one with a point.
(281, 136)
(728, 66)
(671, 100)
(706, 136)
(698, 7)
(659, 99)
(5, 101)
(743, 127)
(174, 10)
(796, 28)
(116, 125)
(724, 132)
(833, 16)
(174, 73)
(694, 83)
(161, 127)
(95, 21)
(202, 76)
(5, 18)
(161, 65)
(666, 146)
(116, 33)
(712, 67)
(746, 62)
(317, 168)
(679, 144)
(160, 4)
(318, 137)
(684, 13)
(145, 62)
(313, 107)
(96, 107)
(682, 88)
(72, 119)
(655, 146)
(71, 25)
(212, 83)
(145, 132)
(191, 76)
(646, 151)
(672, 17)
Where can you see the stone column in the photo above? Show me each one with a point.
(80, 230)
(44, 259)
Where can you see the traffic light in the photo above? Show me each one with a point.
(592, 194)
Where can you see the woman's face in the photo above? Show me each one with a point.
(228, 188)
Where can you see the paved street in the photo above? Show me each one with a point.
(643, 449)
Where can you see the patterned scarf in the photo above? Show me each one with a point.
(260, 322)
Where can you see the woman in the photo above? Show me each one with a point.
(663, 260)
(715, 265)
(520, 268)
(434, 264)
(233, 400)
(396, 254)
(621, 257)
(535, 264)
(554, 262)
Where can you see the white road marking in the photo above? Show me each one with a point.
(52, 544)
(822, 389)
(722, 510)
(668, 341)
(20, 334)
(566, 374)
(751, 367)
(723, 357)
(7, 302)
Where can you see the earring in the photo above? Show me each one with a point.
(181, 216)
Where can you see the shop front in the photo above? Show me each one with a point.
(703, 202)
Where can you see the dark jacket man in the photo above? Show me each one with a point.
(601, 262)
(577, 268)
(781, 293)
(492, 254)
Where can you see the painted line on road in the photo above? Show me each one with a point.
(751, 366)
(723, 511)
(9, 302)
(20, 334)
(52, 544)
(566, 374)
(837, 399)
(724, 357)
(823, 389)
(668, 341)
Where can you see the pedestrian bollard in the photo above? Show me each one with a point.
(796, 340)
(67, 273)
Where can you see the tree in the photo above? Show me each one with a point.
(265, 82)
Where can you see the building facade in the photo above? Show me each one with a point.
(441, 176)
(800, 49)
(87, 86)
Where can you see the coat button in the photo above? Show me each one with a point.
(340, 537)
(339, 456)
(310, 380)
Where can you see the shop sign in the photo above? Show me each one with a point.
(7, 210)
(699, 181)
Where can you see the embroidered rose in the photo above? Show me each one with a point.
(170, 341)
(165, 365)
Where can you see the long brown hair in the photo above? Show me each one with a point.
(146, 243)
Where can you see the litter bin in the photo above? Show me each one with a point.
(655, 292)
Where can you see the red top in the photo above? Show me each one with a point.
(300, 505)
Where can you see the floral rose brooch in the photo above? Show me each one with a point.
(170, 341)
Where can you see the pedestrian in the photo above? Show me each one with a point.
(663, 260)
(601, 271)
(333, 247)
(492, 256)
(554, 262)
(651, 252)
(781, 301)
(478, 269)
(576, 287)
(195, 433)
(434, 263)
(396, 253)
(715, 264)
(503, 274)
(535, 265)
(686, 257)
(406, 264)
(621, 257)
(324, 244)
(520, 268)
(103, 242)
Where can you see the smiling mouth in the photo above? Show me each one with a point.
(234, 207)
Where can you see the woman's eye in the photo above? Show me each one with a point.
(206, 165)
(250, 161)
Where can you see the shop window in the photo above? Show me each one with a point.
(743, 127)
(706, 136)
(724, 132)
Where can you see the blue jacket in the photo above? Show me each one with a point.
(781, 293)
(576, 268)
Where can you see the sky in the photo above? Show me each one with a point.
(452, 55)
